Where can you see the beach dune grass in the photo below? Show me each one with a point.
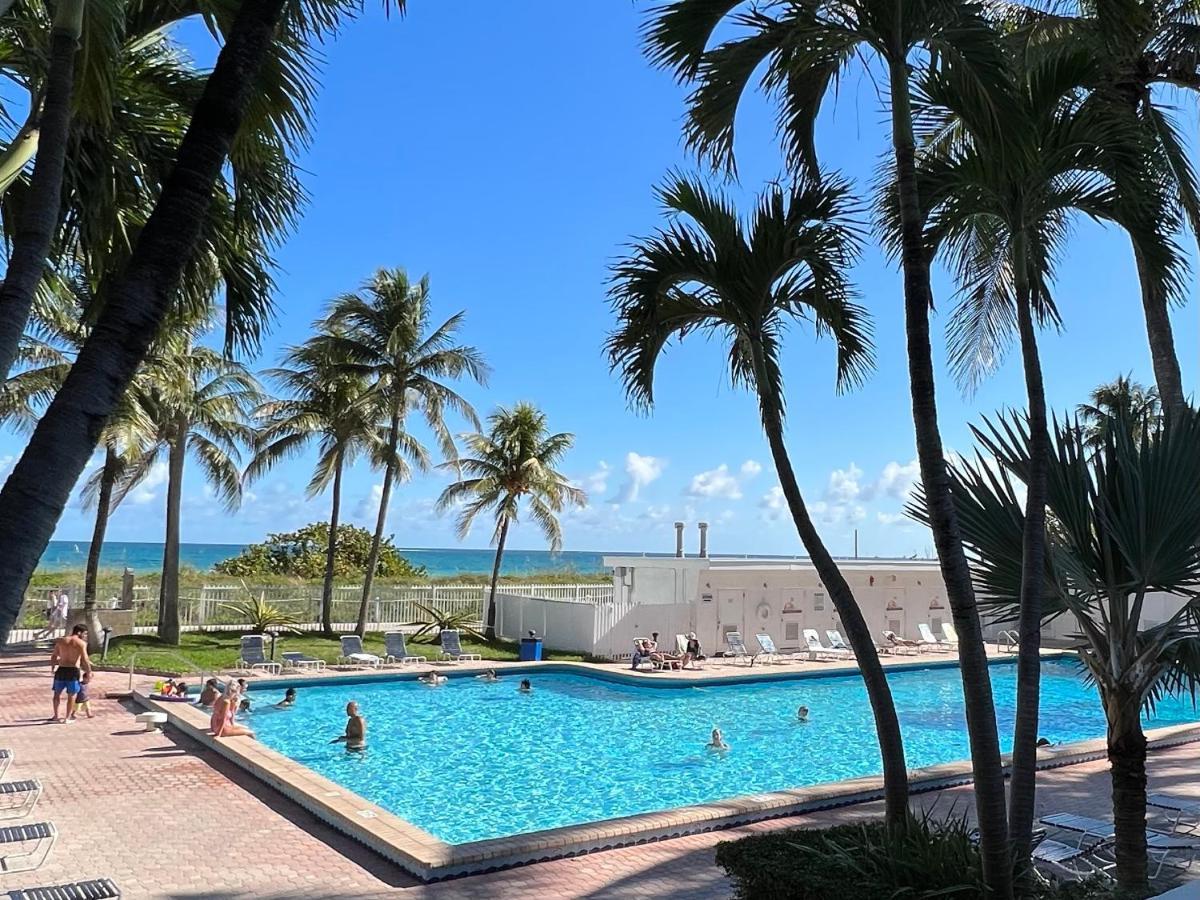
(214, 650)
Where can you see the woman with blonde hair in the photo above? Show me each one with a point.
(222, 723)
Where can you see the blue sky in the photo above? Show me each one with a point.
(510, 150)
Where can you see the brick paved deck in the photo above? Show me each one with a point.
(124, 799)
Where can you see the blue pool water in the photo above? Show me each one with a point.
(471, 760)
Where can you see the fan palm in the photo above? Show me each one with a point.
(513, 464)
(1000, 202)
(138, 299)
(1123, 401)
(710, 272)
(1126, 522)
(1140, 49)
(802, 49)
(385, 332)
(327, 404)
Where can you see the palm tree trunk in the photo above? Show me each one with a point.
(385, 496)
(108, 479)
(1029, 624)
(38, 219)
(168, 593)
(973, 663)
(489, 623)
(37, 490)
(331, 552)
(1162, 341)
(879, 693)
(1127, 764)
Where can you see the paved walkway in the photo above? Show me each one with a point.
(166, 818)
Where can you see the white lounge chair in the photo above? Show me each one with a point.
(638, 658)
(929, 640)
(302, 661)
(1183, 812)
(770, 653)
(6, 758)
(681, 643)
(817, 650)
(1065, 860)
(737, 647)
(254, 658)
(25, 847)
(452, 647)
(396, 652)
(353, 653)
(900, 646)
(96, 889)
(837, 642)
(18, 798)
(950, 634)
(1160, 847)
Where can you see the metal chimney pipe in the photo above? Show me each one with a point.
(703, 540)
(679, 540)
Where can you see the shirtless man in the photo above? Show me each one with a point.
(72, 668)
(355, 737)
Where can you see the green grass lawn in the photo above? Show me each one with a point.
(209, 651)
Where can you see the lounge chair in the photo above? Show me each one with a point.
(18, 798)
(6, 758)
(950, 634)
(1183, 812)
(1159, 846)
(452, 647)
(297, 660)
(817, 650)
(737, 648)
(681, 643)
(929, 640)
(25, 847)
(1064, 860)
(395, 651)
(770, 653)
(837, 642)
(353, 653)
(899, 645)
(97, 889)
(253, 657)
(638, 658)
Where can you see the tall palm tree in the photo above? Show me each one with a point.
(748, 282)
(1140, 50)
(513, 464)
(802, 48)
(325, 403)
(385, 332)
(1126, 523)
(1000, 204)
(139, 298)
(1120, 402)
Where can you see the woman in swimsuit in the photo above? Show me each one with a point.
(221, 723)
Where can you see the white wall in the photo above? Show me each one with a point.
(563, 624)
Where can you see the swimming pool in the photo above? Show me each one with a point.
(471, 760)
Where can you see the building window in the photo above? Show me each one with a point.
(818, 600)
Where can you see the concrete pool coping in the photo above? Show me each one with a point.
(430, 858)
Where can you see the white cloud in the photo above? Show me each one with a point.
(844, 485)
(891, 518)
(367, 507)
(639, 471)
(751, 468)
(837, 513)
(897, 480)
(595, 483)
(146, 492)
(773, 504)
(716, 482)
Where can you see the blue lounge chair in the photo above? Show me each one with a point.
(452, 647)
(395, 651)
(97, 889)
(25, 847)
(353, 653)
(297, 660)
(253, 656)
(18, 798)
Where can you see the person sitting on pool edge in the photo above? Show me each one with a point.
(525, 687)
(355, 737)
(288, 701)
(717, 742)
(433, 679)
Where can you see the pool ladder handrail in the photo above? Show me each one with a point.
(203, 673)
(1008, 641)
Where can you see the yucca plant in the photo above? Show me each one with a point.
(435, 620)
(259, 615)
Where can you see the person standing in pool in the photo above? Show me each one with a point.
(288, 701)
(802, 714)
(72, 669)
(525, 687)
(355, 737)
(717, 742)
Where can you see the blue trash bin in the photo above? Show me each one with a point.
(531, 649)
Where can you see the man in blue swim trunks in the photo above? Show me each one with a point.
(72, 668)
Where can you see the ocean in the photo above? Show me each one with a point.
(68, 556)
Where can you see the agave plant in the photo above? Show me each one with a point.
(435, 621)
(259, 615)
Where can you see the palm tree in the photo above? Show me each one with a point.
(1126, 522)
(512, 464)
(138, 299)
(385, 332)
(202, 404)
(802, 48)
(1123, 401)
(1141, 48)
(1000, 204)
(710, 272)
(323, 402)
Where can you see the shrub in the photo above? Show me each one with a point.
(301, 554)
(433, 621)
(259, 615)
(867, 861)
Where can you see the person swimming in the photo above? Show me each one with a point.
(288, 701)
(525, 687)
(211, 692)
(244, 706)
(355, 737)
(433, 679)
(802, 714)
(489, 675)
(717, 742)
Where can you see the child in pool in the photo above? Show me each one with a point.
(288, 701)
(489, 675)
(244, 706)
(433, 679)
(802, 714)
(211, 692)
(525, 687)
(717, 742)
